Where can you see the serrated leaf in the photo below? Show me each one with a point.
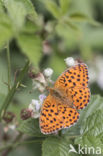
(17, 13)
(91, 120)
(53, 8)
(6, 31)
(56, 146)
(96, 103)
(89, 141)
(30, 127)
(93, 125)
(89, 117)
(30, 46)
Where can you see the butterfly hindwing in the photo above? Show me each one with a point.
(80, 96)
(55, 115)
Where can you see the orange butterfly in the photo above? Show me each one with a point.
(69, 94)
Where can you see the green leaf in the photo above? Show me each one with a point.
(53, 8)
(68, 33)
(6, 31)
(72, 25)
(30, 10)
(80, 17)
(89, 141)
(83, 6)
(91, 120)
(30, 127)
(96, 103)
(64, 4)
(94, 124)
(30, 28)
(30, 46)
(56, 146)
(17, 13)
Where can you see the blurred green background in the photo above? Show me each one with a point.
(46, 36)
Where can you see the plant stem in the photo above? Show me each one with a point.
(29, 142)
(13, 90)
(9, 67)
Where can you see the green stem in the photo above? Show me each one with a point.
(29, 142)
(9, 67)
(13, 90)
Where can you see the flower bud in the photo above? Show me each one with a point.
(26, 114)
(48, 72)
(69, 61)
(8, 117)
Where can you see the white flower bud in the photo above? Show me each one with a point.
(48, 72)
(69, 61)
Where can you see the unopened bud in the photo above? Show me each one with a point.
(69, 61)
(8, 117)
(48, 72)
(26, 114)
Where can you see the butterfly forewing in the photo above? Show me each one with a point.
(74, 76)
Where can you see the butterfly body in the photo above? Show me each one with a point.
(70, 93)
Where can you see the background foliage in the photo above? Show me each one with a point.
(45, 32)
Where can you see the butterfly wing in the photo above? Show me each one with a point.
(55, 115)
(74, 84)
(80, 96)
(74, 76)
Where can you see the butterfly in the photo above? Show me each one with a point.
(69, 94)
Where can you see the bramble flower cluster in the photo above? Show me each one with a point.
(41, 80)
